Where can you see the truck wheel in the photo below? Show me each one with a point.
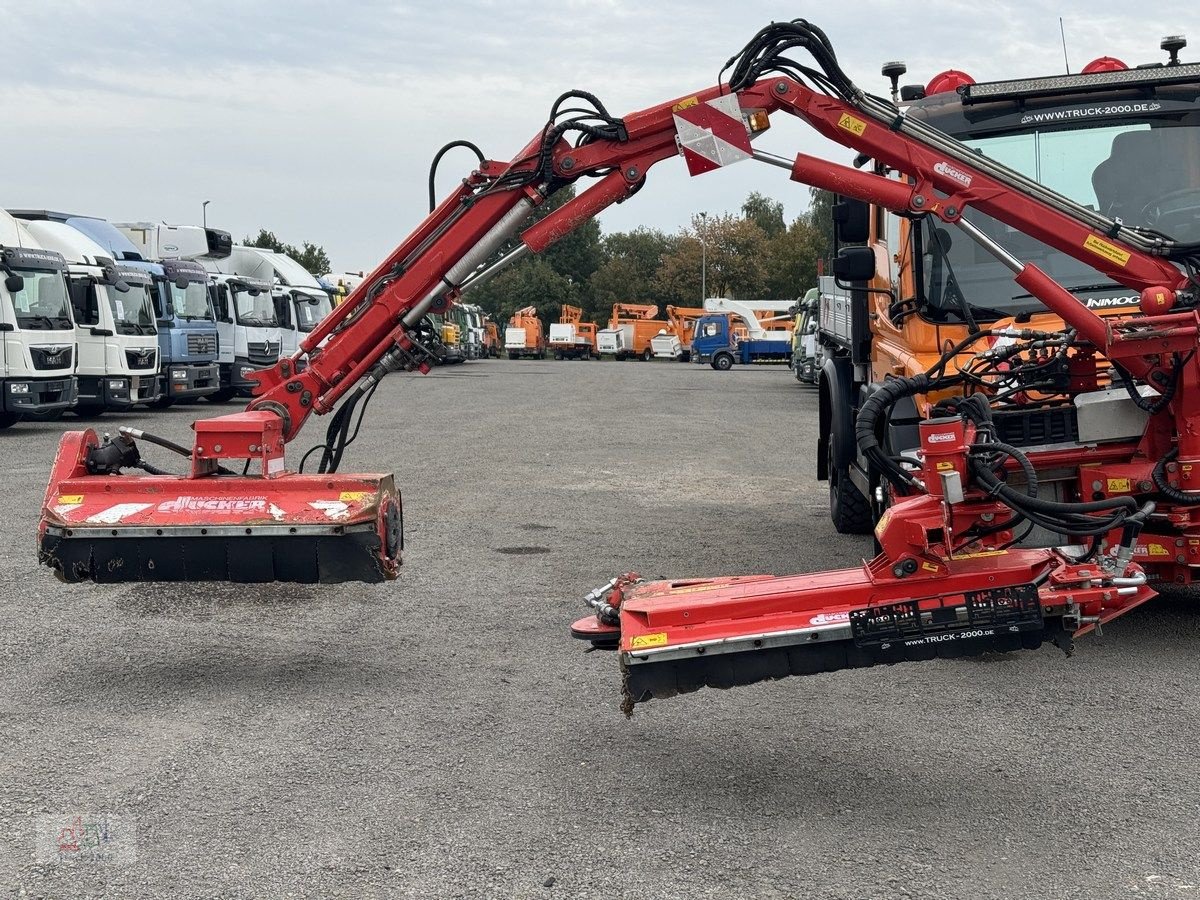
(87, 412)
(9, 419)
(849, 509)
(162, 403)
(647, 355)
(722, 362)
(558, 355)
(222, 395)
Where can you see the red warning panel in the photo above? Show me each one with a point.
(712, 134)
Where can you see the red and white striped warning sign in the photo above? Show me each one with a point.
(711, 134)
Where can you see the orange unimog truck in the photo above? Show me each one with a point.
(571, 337)
(914, 287)
(630, 331)
(524, 335)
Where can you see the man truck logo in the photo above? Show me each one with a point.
(947, 170)
(213, 505)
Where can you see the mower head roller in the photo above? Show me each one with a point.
(100, 524)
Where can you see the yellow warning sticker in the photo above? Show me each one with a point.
(70, 498)
(354, 496)
(931, 567)
(1111, 252)
(1119, 486)
(686, 104)
(856, 126)
(642, 641)
(1157, 550)
(945, 466)
(980, 555)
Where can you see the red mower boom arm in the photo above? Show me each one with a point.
(948, 581)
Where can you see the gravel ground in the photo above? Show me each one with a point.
(443, 736)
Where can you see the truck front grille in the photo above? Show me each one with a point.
(52, 357)
(142, 359)
(201, 344)
(263, 353)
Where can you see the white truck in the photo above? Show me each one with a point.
(115, 333)
(249, 336)
(300, 301)
(37, 333)
(614, 341)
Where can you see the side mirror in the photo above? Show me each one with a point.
(854, 264)
(14, 284)
(182, 283)
(121, 286)
(253, 292)
(101, 332)
(852, 221)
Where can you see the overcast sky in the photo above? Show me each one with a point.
(318, 119)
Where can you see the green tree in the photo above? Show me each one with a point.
(820, 219)
(791, 260)
(729, 248)
(627, 274)
(312, 256)
(766, 213)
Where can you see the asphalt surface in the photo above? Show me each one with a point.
(443, 736)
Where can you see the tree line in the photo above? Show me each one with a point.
(756, 255)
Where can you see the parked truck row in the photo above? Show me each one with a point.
(98, 316)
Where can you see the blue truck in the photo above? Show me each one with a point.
(187, 328)
(730, 333)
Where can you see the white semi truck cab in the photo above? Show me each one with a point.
(115, 334)
(248, 332)
(300, 301)
(37, 333)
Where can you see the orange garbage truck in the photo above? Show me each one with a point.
(571, 337)
(630, 331)
(524, 335)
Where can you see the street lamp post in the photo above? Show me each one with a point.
(703, 257)
(204, 212)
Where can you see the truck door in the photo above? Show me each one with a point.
(85, 303)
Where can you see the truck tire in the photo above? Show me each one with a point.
(88, 412)
(221, 395)
(848, 508)
(722, 362)
(647, 355)
(162, 403)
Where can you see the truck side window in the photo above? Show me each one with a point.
(220, 299)
(710, 329)
(83, 300)
(158, 296)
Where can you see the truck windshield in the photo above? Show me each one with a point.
(43, 302)
(190, 302)
(255, 309)
(1144, 171)
(311, 309)
(132, 312)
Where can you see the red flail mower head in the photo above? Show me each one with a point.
(106, 527)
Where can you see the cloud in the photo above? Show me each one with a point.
(318, 120)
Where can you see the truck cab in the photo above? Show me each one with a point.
(37, 332)
(187, 331)
(300, 300)
(115, 332)
(248, 332)
(1124, 141)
